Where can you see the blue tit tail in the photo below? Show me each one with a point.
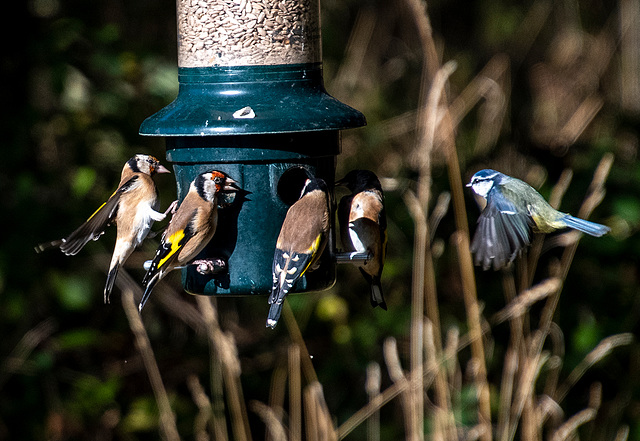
(274, 314)
(586, 226)
(111, 279)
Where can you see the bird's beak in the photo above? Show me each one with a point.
(468, 185)
(162, 169)
(230, 185)
(340, 183)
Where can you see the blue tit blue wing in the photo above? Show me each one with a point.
(503, 232)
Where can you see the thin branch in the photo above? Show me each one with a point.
(167, 418)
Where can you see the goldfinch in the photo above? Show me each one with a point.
(300, 244)
(190, 229)
(363, 226)
(132, 207)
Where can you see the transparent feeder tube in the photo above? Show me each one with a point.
(248, 32)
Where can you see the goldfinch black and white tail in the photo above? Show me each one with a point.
(301, 242)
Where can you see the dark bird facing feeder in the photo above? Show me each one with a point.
(363, 226)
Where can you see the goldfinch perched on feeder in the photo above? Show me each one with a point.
(190, 229)
(513, 210)
(302, 240)
(363, 226)
(133, 209)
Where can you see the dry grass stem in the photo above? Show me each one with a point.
(594, 197)
(372, 387)
(530, 28)
(296, 336)
(443, 416)
(509, 370)
(439, 211)
(477, 88)
(15, 361)
(629, 55)
(529, 371)
(555, 362)
(275, 429)
(204, 408)
(216, 382)
(348, 75)
(318, 419)
(548, 408)
(560, 188)
(422, 274)
(277, 391)
(567, 430)
(472, 307)
(295, 394)
(603, 349)
(311, 415)
(224, 347)
(167, 418)
(521, 304)
(579, 121)
(557, 193)
(622, 434)
(396, 373)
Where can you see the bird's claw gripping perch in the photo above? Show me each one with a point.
(209, 266)
(172, 208)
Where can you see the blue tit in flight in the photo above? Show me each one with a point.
(514, 209)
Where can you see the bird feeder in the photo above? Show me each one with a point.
(252, 103)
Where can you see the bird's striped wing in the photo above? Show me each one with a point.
(288, 267)
(93, 228)
(172, 243)
(503, 231)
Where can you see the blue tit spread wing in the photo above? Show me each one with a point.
(93, 227)
(503, 231)
(173, 241)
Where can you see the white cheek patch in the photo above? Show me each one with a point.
(482, 188)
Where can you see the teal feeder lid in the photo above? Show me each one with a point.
(251, 100)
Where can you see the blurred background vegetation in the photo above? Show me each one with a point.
(539, 88)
